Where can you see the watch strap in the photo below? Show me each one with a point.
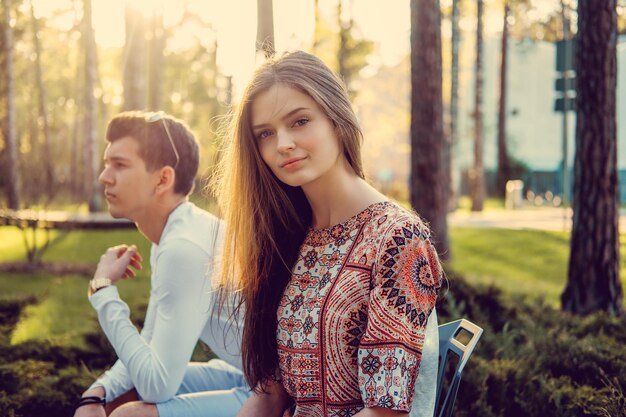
(99, 283)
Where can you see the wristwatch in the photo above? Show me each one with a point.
(97, 284)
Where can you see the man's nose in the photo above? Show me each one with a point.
(105, 176)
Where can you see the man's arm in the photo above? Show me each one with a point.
(116, 263)
(114, 381)
(157, 365)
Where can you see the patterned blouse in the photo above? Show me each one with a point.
(351, 321)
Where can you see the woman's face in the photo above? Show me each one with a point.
(296, 139)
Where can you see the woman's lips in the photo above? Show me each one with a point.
(292, 163)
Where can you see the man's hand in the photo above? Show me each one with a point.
(92, 410)
(116, 263)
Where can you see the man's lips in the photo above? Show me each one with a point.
(290, 162)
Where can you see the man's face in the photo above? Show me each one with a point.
(128, 185)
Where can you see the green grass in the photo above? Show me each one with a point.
(63, 314)
(14, 287)
(77, 246)
(521, 262)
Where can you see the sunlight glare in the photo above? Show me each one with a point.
(108, 22)
(392, 39)
(146, 7)
(232, 24)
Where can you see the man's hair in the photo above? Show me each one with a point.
(155, 148)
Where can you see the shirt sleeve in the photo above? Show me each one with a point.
(405, 283)
(116, 381)
(156, 361)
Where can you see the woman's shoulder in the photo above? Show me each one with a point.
(396, 219)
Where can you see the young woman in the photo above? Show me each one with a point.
(338, 282)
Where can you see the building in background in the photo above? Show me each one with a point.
(534, 128)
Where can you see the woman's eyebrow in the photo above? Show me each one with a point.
(287, 116)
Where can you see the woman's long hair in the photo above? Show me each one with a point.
(267, 220)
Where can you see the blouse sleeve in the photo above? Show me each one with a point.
(405, 283)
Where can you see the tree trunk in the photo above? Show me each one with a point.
(565, 168)
(77, 155)
(453, 139)
(351, 52)
(316, 33)
(265, 28)
(342, 52)
(593, 275)
(92, 157)
(43, 112)
(503, 174)
(135, 59)
(157, 64)
(77, 185)
(12, 170)
(477, 173)
(428, 187)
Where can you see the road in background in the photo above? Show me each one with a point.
(542, 218)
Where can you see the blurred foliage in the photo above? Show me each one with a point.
(193, 87)
(38, 378)
(45, 376)
(194, 90)
(534, 360)
(531, 361)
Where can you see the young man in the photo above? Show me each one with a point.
(150, 165)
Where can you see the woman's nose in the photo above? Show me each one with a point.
(285, 142)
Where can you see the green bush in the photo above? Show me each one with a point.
(41, 379)
(533, 360)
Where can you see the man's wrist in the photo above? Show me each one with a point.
(94, 397)
(87, 400)
(97, 284)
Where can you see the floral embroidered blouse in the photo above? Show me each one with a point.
(352, 318)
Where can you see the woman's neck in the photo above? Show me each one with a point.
(338, 196)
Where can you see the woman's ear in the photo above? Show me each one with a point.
(166, 179)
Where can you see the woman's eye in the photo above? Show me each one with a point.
(263, 134)
(301, 122)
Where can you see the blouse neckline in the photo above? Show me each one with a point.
(325, 235)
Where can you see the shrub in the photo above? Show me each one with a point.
(40, 379)
(533, 360)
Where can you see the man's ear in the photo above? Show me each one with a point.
(166, 179)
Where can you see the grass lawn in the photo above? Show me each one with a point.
(62, 313)
(520, 262)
